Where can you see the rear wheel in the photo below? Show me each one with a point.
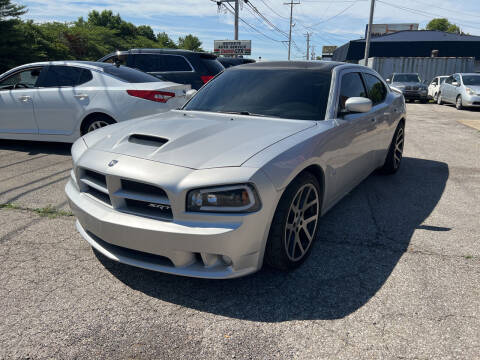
(96, 122)
(395, 152)
(459, 103)
(295, 224)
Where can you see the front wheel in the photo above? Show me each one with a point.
(96, 122)
(295, 224)
(459, 103)
(395, 151)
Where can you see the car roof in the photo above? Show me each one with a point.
(162, 51)
(405, 73)
(324, 66)
(87, 64)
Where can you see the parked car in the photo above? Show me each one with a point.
(463, 90)
(62, 100)
(241, 174)
(180, 66)
(410, 85)
(434, 87)
(230, 61)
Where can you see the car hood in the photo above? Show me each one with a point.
(399, 83)
(192, 139)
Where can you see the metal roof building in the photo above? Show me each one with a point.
(411, 43)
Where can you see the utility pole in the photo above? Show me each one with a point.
(237, 10)
(308, 44)
(291, 3)
(369, 32)
(313, 52)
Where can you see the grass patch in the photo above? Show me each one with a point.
(468, 257)
(47, 211)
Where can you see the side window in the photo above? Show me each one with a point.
(457, 78)
(435, 81)
(449, 80)
(175, 63)
(147, 62)
(60, 75)
(350, 86)
(377, 92)
(25, 79)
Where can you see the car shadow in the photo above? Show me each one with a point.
(359, 244)
(36, 147)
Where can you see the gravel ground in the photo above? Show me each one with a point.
(395, 272)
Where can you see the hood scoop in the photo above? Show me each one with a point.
(147, 140)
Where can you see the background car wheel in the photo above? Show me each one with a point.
(459, 103)
(439, 99)
(96, 122)
(423, 101)
(295, 224)
(395, 152)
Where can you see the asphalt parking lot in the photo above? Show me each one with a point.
(395, 272)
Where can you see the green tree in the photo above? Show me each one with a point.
(442, 24)
(164, 41)
(190, 42)
(9, 10)
(147, 32)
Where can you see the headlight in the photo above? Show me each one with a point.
(240, 198)
(469, 91)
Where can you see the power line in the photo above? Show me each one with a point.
(334, 16)
(276, 13)
(265, 19)
(251, 26)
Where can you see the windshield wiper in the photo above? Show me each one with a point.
(245, 113)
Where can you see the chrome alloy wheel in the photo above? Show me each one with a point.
(398, 151)
(301, 222)
(97, 125)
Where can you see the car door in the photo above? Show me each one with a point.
(445, 89)
(456, 89)
(17, 92)
(432, 88)
(353, 158)
(381, 114)
(59, 105)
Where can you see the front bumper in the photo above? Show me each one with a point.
(216, 246)
(471, 100)
(415, 95)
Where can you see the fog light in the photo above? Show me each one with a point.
(227, 260)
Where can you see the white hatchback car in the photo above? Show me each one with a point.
(62, 100)
(434, 87)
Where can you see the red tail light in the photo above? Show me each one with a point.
(152, 95)
(206, 78)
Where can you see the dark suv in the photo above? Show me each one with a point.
(180, 66)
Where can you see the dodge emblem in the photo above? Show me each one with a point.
(113, 162)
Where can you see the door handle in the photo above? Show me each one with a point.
(373, 120)
(81, 96)
(24, 98)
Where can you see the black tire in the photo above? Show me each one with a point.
(424, 101)
(102, 120)
(395, 153)
(439, 99)
(459, 103)
(276, 253)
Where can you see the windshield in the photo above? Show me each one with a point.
(442, 79)
(471, 79)
(406, 78)
(286, 93)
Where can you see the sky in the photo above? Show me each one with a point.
(330, 22)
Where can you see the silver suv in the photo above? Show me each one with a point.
(463, 90)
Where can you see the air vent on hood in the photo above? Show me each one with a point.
(147, 140)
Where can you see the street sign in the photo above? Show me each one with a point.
(232, 47)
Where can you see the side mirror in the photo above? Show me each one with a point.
(455, 83)
(190, 93)
(358, 105)
(389, 81)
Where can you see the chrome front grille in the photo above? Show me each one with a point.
(126, 195)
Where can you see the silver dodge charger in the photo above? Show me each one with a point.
(241, 174)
